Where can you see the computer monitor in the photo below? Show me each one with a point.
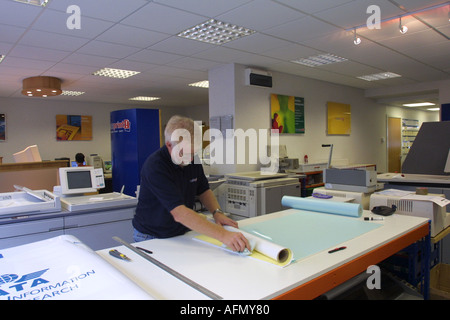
(75, 164)
(29, 154)
(75, 180)
(108, 166)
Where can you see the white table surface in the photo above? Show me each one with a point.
(235, 277)
(413, 178)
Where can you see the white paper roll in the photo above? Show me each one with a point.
(272, 250)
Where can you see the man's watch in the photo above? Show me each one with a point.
(217, 210)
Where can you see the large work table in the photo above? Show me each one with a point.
(231, 276)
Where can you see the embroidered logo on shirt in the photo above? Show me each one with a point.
(193, 180)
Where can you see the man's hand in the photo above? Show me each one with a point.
(223, 220)
(235, 241)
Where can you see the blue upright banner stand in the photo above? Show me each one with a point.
(135, 134)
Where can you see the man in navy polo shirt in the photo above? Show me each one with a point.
(169, 183)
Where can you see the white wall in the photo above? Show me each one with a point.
(365, 144)
(33, 121)
(367, 124)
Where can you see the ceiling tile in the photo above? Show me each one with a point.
(202, 7)
(38, 54)
(194, 64)
(110, 10)
(18, 14)
(56, 22)
(155, 57)
(89, 60)
(10, 34)
(413, 5)
(291, 51)
(106, 49)
(303, 29)
(132, 36)
(313, 6)
(177, 44)
(58, 41)
(5, 47)
(164, 19)
(260, 15)
(257, 43)
(132, 65)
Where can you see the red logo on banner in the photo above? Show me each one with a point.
(120, 126)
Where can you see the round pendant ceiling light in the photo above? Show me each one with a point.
(41, 86)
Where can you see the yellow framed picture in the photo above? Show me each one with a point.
(73, 127)
(339, 118)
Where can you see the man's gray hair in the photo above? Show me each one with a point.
(178, 122)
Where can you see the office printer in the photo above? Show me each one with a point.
(357, 180)
(251, 194)
(28, 202)
(284, 162)
(411, 204)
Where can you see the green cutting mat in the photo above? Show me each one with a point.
(307, 233)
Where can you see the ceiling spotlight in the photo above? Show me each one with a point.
(403, 29)
(356, 40)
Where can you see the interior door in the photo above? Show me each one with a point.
(394, 144)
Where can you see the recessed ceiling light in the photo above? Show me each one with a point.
(115, 73)
(200, 84)
(2, 57)
(142, 98)
(215, 32)
(419, 104)
(320, 60)
(41, 3)
(379, 76)
(433, 109)
(72, 93)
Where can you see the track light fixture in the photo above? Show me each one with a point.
(356, 40)
(403, 29)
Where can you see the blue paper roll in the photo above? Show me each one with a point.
(325, 206)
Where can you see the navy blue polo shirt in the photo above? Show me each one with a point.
(165, 186)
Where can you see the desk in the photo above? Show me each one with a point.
(34, 175)
(409, 179)
(235, 277)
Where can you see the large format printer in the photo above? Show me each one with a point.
(250, 194)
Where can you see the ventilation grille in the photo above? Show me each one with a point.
(402, 205)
